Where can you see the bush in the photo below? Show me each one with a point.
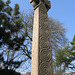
(8, 72)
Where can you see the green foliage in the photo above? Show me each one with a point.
(16, 9)
(66, 55)
(8, 2)
(12, 34)
(73, 41)
(73, 48)
(2, 4)
(9, 24)
(63, 56)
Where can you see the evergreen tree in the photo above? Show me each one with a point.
(73, 49)
(66, 56)
(12, 35)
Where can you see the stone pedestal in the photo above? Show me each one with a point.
(41, 63)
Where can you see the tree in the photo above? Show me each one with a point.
(73, 43)
(72, 54)
(12, 35)
(66, 56)
(57, 38)
(57, 35)
(62, 56)
(57, 31)
(17, 28)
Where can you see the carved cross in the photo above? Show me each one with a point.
(36, 2)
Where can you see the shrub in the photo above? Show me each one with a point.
(8, 72)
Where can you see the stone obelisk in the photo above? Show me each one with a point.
(41, 63)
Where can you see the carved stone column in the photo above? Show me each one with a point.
(41, 63)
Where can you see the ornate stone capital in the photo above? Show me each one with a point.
(36, 3)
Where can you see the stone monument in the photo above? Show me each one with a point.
(41, 63)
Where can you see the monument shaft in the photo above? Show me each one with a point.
(41, 63)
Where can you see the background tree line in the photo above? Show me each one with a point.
(16, 38)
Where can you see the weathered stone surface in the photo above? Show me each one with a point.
(41, 54)
(36, 2)
(35, 44)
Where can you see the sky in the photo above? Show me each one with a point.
(62, 10)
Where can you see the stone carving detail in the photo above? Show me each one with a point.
(45, 56)
(44, 68)
(36, 2)
(42, 62)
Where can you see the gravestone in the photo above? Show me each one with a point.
(41, 63)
